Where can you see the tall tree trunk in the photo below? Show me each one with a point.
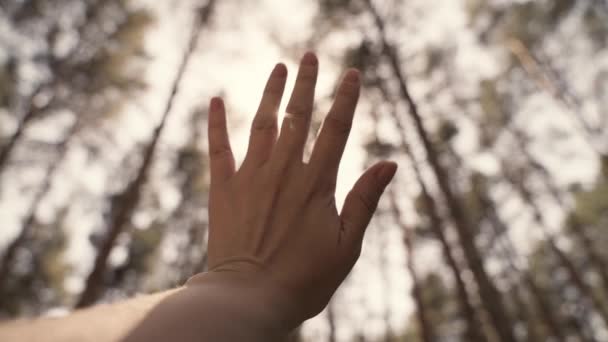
(128, 199)
(10, 145)
(30, 218)
(500, 230)
(491, 297)
(526, 315)
(426, 327)
(19, 12)
(547, 314)
(534, 69)
(58, 68)
(575, 276)
(193, 199)
(474, 331)
(384, 267)
(590, 250)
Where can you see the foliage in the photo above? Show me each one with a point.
(487, 118)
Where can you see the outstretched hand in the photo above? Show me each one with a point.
(275, 221)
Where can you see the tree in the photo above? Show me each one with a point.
(89, 61)
(87, 68)
(426, 328)
(125, 202)
(489, 293)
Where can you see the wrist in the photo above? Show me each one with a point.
(254, 298)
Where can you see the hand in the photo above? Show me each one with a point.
(275, 220)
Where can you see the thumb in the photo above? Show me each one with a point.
(361, 202)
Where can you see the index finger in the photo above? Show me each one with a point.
(332, 139)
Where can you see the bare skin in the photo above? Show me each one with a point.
(278, 246)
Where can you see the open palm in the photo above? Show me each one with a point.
(276, 218)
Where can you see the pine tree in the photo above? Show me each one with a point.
(124, 203)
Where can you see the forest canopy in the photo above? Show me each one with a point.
(496, 111)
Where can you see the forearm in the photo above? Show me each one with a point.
(104, 322)
(206, 310)
(215, 307)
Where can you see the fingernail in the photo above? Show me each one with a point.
(387, 173)
(280, 70)
(216, 103)
(352, 76)
(310, 59)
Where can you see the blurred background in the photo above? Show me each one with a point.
(496, 111)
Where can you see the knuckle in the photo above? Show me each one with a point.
(298, 110)
(349, 90)
(353, 245)
(324, 185)
(219, 152)
(338, 126)
(278, 169)
(321, 178)
(273, 90)
(309, 193)
(295, 121)
(308, 74)
(215, 125)
(366, 201)
(264, 124)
